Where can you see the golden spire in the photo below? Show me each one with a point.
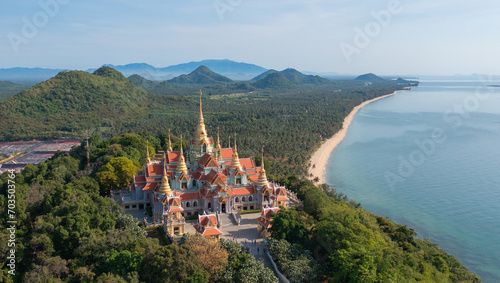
(148, 159)
(169, 142)
(262, 181)
(235, 162)
(201, 132)
(218, 147)
(201, 112)
(165, 186)
(181, 164)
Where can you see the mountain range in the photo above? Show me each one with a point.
(232, 69)
(212, 81)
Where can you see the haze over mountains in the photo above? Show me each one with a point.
(232, 69)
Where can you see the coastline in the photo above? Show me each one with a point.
(322, 154)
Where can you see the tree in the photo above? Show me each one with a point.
(291, 225)
(243, 267)
(124, 262)
(212, 256)
(117, 173)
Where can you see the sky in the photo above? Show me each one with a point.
(385, 37)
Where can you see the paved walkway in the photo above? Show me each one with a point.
(246, 234)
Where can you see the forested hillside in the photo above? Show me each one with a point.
(71, 102)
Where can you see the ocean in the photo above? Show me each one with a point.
(429, 158)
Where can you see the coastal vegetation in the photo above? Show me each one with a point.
(339, 241)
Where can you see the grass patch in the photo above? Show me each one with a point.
(250, 211)
(192, 217)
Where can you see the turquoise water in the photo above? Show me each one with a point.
(429, 158)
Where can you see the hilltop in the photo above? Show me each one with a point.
(263, 75)
(287, 78)
(274, 80)
(369, 77)
(71, 101)
(202, 75)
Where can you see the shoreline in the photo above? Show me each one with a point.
(322, 154)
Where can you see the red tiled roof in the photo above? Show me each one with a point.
(226, 153)
(139, 179)
(243, 191)
(196, 175)
(213, 175)
(207, 159)
(150, 186)
(177, 209)
(173, 156)
(211, 232)
(264, 222)
(281, 198)
(205, 219)
(155, 169)
(189, 196)
(268, 212)
(247, 162)
(253, 177)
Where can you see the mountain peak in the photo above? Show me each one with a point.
(202, 75)
(369, 77)
(108, 72)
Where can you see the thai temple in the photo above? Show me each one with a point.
(204, 179)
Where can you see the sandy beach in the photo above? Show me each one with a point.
(320, 157)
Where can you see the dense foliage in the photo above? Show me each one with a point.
(350, 244)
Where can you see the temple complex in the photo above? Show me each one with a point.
(204, 179)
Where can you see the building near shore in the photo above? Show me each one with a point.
(206, 180)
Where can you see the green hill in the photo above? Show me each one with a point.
(8, 89)
(369, 77)
(72, 101)
(263, 75)
(274, 81)
(299, 78)
(202, 75)
(141, 82)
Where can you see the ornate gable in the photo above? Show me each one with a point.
(266, 190)
(238, 173)
(184, 177)
(223, 199)
(220, 189)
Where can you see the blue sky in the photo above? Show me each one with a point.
(422, 37)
